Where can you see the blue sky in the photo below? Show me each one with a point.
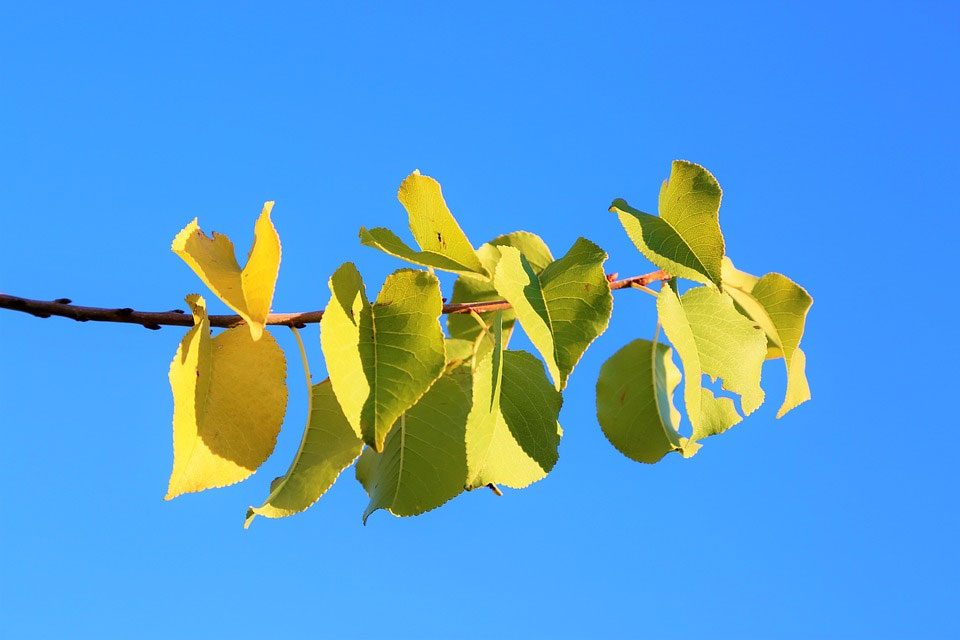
(832, 128)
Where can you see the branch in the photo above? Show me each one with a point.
(178, 317)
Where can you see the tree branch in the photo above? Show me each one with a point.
(63, 307)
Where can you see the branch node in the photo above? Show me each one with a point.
(153, 326)
(63, 300)
(124, 311)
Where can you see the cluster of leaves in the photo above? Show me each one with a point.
(428, 414)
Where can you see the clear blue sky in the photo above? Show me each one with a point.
(833, 128)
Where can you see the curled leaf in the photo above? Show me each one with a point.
(248, 291)
(635, 401)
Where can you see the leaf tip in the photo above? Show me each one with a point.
(180, 240)
(617, 205)
(198, 306)
(689, 447)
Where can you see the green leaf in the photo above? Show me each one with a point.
(329, 446)
(423, 464)
(470, 288)
(512, 432)
(779, 305)
(635, 401)
(564, 308)
(459, 351)
(443, 245)
(382, 357)
(229, 397)
(685, 240)
(712, 337)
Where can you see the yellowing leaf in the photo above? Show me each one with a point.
(712, 337)
(512, 432)
(423, 464)
(779, 305)
(248, 291)
(685, 239)
(328, 446)
(229, 397)
(635, 401)
(562, 309)
(382, 357)
(442, 243)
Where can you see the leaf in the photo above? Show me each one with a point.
(779, 305)
(329, 445)
(635, 401)
(423, 464)
(249, 291)
(442, 243)
(458, 351)
(512, 432)
(470, 288)
(229, 397)
(382, 357)
(712, 337)
(564, 308)
(686, 239)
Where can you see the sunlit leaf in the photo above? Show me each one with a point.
(229, 397)
(685, 239)
(329, 445)
(512, 433)
(562, 309)
(423, 463)
(442, 243)
(458, 351)
(779, 305)
(472, 288)
(635, 401)
(248, 291)
(712, 337)
(381, 357)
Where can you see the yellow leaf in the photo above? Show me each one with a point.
(229, 397)
(249, 291)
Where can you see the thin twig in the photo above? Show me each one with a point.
(178, 318)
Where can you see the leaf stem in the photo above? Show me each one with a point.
(303, 357)
(644, 288)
